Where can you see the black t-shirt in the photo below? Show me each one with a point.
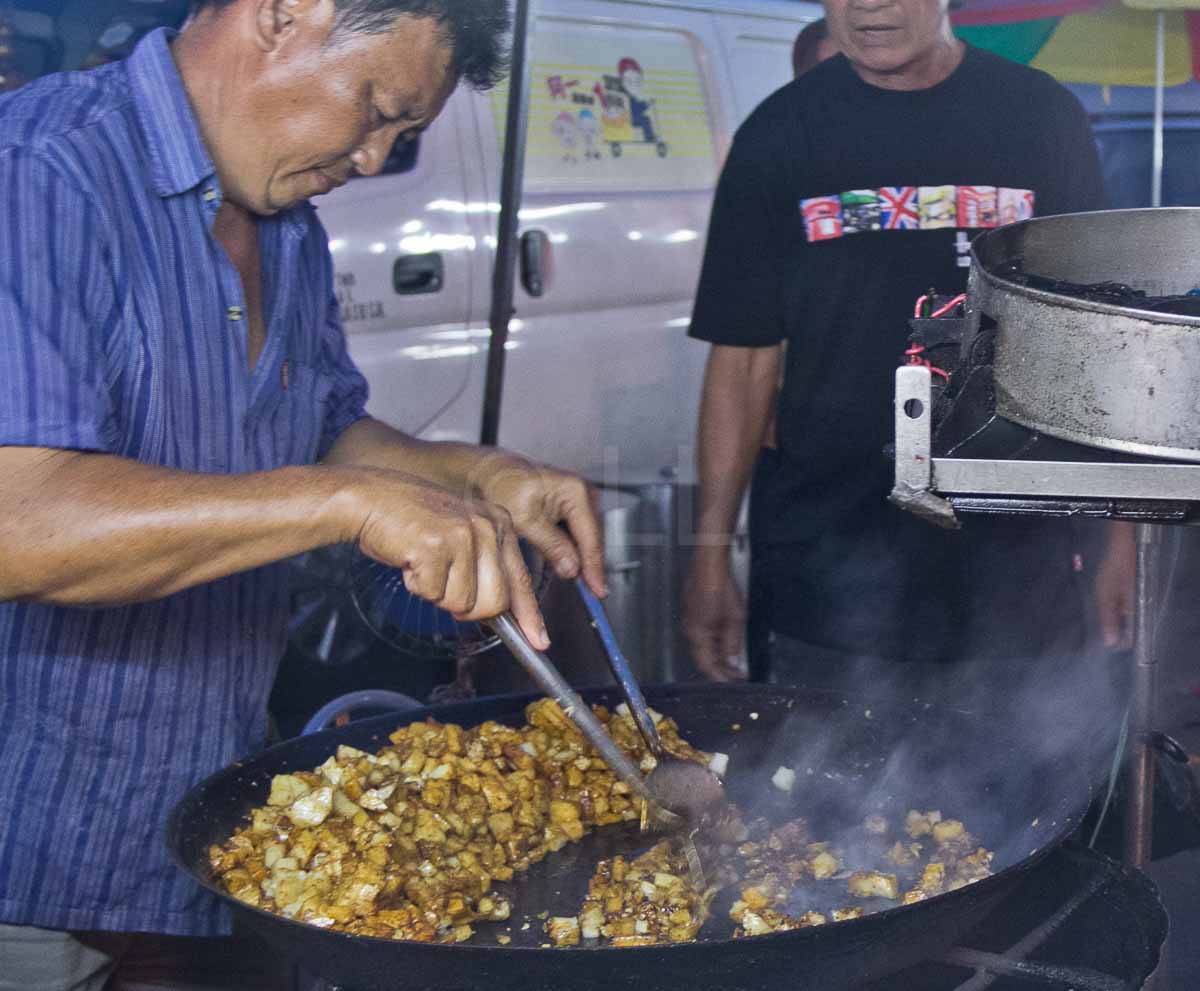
(840, 204)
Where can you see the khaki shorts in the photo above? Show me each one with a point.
(48, 960)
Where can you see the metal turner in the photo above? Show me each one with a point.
(683, 786)
(671, 790)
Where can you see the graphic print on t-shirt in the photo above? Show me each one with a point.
(910, 208)
(822, 217)
(898, 208)
(937, 207)
(1015, 205)
(976, 206)
(860, 211)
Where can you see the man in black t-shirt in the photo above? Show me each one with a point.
(846, 195)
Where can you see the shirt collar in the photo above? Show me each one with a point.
(179, 160)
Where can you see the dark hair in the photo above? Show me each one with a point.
(804, 51)
(474, 29)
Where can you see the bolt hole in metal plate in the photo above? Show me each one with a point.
(1095, 373)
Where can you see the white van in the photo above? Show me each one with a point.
(633, 106)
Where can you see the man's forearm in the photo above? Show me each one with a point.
(93, 529)
(735, 407)
(460, 468)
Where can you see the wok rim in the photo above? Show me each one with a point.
(175, 826)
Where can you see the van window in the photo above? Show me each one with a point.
(614, 106)
(760, 65)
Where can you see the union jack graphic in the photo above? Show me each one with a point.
(898, 208)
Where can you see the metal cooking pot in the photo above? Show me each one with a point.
(1093, 373)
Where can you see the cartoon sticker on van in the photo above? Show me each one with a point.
(590, 133)
(566, 129)
(626, 113)
(629, 117)
(639, 107)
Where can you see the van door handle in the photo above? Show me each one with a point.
(535, 259)
(414, 274)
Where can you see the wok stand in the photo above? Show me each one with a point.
(1153, 494)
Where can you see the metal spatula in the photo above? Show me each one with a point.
(683, 786)
(548, 678)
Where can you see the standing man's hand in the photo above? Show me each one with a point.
(714, 616)
(1114, 588)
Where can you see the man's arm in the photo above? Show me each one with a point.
(553, 510)
(735, 408)
(84, 529)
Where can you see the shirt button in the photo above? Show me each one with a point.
(210, 195)
(234, 313)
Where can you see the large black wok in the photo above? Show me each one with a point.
(851, 756)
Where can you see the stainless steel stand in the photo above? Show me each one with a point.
(1139, 805)
(928, 486)
(1139, 808)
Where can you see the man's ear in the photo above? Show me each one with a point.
(277, 20)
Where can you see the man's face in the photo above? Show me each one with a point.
(327, 107)
(885, 36)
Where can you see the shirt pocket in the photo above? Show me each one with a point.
(296, 421)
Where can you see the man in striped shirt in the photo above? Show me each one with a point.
(178, 414)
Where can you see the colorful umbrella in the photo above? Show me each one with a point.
(1107, 42)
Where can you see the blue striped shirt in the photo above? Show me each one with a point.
(123, 330)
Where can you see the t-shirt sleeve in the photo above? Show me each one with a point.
(1077, 180)
(347, 402)
(58, 310)
(739, 299)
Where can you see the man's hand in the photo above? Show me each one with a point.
(714, 616)
(551, 509)
(460, 554)
(1114, 588)
(542, 502)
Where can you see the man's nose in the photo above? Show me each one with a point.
(368, 157)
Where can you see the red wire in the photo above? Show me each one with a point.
(914, 358)
(916, 350)
(962, 298)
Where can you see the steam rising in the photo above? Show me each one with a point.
(1011, 751)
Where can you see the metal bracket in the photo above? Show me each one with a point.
(1057, 479)
(913, 488)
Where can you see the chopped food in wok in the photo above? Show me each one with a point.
(642, 901)
(408, 843)
(873, 884)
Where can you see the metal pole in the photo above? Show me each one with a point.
(1159, 86)
(1139, 809)
(511, 178)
